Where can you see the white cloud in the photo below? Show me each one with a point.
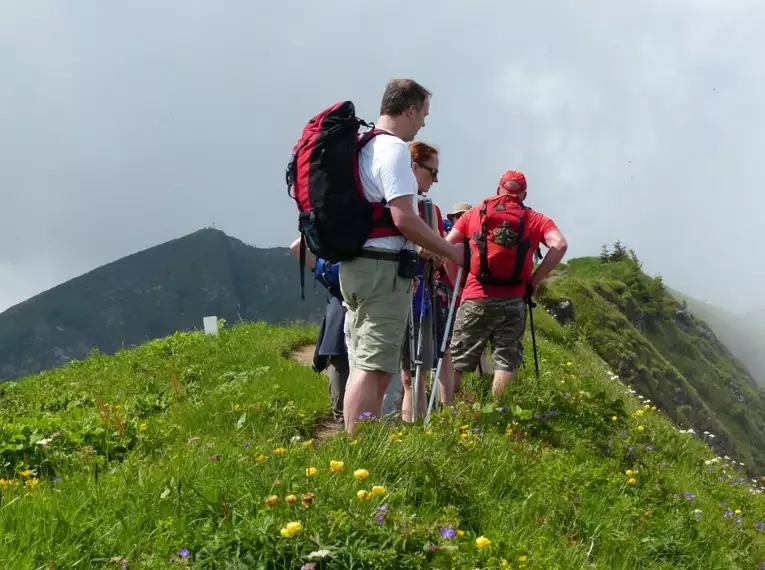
(124, 125)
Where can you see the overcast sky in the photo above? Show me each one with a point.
(126, 124)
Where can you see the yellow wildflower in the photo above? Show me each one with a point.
(32, 483)
(336, 466)
(738, 511)
(629, 472)
(482, 542)
(464, 427)
(307, 443)
(631, 481)
(26, 473)
(143, 427)
(280, 451)
(260, 458)
(361, 474)
(378, 490)
(363, 494)
(523, 558)
(654, 408)
(460, 532)
(291, 499)
(569, 364)
(311, 471)
(614, 418)
(291, 529)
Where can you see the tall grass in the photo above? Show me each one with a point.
(199, 451)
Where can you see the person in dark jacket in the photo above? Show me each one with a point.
(331, 353)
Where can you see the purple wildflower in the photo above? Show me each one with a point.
(380, 517)
(738, 520)
(447, 532)
(728, 514)
(690, 496)
(246, 444)
(759, 525)
(367, 416)
(183, 552)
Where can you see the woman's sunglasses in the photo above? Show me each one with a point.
(433, 171)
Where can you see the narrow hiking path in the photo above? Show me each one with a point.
(303, 354)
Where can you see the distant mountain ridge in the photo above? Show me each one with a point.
(151, 294)
(743, 334)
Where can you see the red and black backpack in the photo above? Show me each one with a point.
(500, 249)
(335, 217)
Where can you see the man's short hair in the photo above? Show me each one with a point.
(400, 94)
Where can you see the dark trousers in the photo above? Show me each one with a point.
(338, 372)
(331, 355)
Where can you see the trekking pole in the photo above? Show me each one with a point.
(418, 359)
(442, 349)
(434, 325)
(531, 305)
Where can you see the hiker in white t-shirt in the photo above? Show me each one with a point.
(377, 285)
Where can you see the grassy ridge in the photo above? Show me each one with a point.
(669, 356)
(196, 451)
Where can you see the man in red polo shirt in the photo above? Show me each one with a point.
(504, 234)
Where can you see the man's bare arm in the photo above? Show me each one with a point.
(557, 246)
(310, 260)
(413, 227)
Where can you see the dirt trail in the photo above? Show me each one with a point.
(303, 354)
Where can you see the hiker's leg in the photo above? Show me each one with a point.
(338, 378)
(471, 332)
(446, 380)
(392, 396)
(407, 378)
(377, 307)
(505, 341)
(406, 373)
(486, 362)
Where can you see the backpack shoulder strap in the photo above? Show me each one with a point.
(369, 135)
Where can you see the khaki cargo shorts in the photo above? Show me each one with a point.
(501, 320)
(378, 306)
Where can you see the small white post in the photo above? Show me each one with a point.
(211, 325)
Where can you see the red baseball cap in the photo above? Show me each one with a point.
(515, 176)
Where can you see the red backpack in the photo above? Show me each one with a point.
(500, 249)
(335, 218)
